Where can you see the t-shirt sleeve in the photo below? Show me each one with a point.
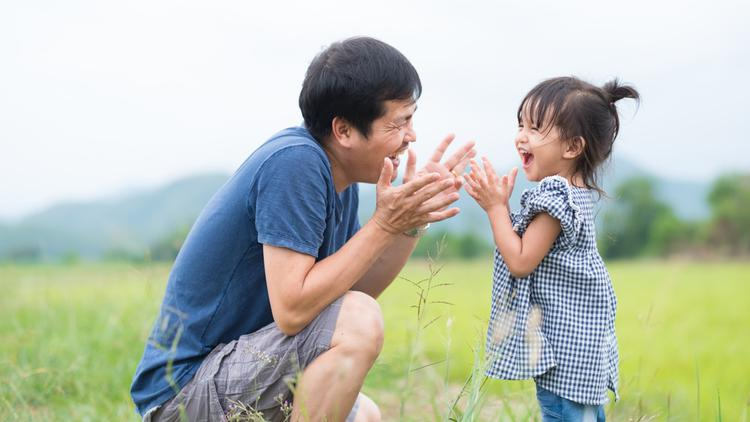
(551, 196)
(291, 202)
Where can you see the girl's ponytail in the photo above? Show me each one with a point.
(580, 109)
(617, 92)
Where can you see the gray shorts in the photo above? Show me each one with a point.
(252, 374)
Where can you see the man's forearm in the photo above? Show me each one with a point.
(387, 266)
(308, 289)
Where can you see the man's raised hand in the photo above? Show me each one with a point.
(418, 201)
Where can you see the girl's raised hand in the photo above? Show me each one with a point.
(487, 188)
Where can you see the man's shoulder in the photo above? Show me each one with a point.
(290, 149)
(293, 142)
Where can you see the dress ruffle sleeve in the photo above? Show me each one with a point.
(551, 196)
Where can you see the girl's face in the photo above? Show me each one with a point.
(541, 150)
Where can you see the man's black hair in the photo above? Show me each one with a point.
(352, 79)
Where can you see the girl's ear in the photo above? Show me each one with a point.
(574, 147)
(341, 131)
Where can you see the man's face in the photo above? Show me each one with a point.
(390, 136)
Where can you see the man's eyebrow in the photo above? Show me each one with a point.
(408, 116)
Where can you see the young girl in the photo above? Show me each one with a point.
(553, 306)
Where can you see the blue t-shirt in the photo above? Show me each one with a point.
(283, 195)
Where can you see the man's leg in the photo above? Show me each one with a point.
(330, 384)
(367, 410)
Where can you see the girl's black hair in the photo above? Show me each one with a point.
(580, 109)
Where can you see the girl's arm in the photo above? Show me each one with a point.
(521, 254)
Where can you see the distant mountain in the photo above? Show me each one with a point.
(126, 223)
(133, 222)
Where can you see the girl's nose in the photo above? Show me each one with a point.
(520, 138)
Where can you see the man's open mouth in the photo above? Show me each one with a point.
(396, 157)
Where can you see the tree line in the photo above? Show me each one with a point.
(642, 225)
(639, 224)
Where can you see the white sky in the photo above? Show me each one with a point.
(100, 97)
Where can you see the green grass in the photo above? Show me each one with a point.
(71, 336)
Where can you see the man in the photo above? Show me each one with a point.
(275, 286)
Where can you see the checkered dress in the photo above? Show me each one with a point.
(557, 325)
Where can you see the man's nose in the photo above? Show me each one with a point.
(411, 135)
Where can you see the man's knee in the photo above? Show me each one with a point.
(359, 328)
(368, 411)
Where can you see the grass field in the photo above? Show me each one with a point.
(71, 336)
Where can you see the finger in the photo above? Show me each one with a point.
(475, 169)
(437, 203)
(461, 166)
(432, 190)
(469, 186)
(465, 150)
(477, 174)
(386, 174)
(457, 183)
(419, 182)
(440, 150)
(411, 165)
(489, 170)
(487, 166)
(465, 161)
(474, 194)
(513, 174)
(469, 180)
(442, 215)
(475, 181)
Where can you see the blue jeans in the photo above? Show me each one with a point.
(557, 409)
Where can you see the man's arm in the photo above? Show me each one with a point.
(392, 261)
(299, 288)
(387, 266)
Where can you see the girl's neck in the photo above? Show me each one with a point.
(577, 181)
(574, 179)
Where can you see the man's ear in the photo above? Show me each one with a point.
(342, 131)
(574, 147)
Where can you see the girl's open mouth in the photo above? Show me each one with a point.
(527, 158)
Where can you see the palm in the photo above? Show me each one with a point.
(442, 169)
(452, 166)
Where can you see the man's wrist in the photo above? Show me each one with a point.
(417, 231)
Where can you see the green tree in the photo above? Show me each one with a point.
(639, 224)
(26, 254)
(729, 200)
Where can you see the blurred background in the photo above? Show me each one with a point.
(118, 121)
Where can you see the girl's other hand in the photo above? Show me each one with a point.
(487, 188)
